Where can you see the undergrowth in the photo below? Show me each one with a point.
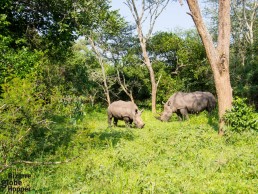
(172, 157)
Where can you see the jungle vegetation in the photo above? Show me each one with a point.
(62, 62)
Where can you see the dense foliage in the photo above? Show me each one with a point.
(183, 58)
(32, 122)
(53, 105)
(241, 117)
(245, 77)
(44, 79)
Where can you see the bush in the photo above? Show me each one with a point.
(241, 117)
(35, 124)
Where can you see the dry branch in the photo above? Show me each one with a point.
(106, 90)
(124, 87)
(6, 166)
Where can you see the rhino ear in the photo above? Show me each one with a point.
(169, 103)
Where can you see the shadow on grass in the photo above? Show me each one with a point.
(213, 121)
(45, 141)
(112, 136)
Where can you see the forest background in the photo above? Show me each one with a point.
(62, 61)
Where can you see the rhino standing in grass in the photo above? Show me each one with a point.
(183, 103)
(127, 111)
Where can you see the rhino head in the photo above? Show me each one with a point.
(167, 113)
(137, 119)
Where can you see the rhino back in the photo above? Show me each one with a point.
(121, 109)
(177, 100)
(201, 101)
(193, 102)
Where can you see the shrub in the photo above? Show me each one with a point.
(35, 124)
(241, 117)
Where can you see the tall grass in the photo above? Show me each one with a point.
(173, 157)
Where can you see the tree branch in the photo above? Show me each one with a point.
(102, 68)
(45, 163)
(124, 87)
(155, 15)
(158, 80)
(6, 166)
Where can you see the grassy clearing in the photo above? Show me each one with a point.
(174, 157)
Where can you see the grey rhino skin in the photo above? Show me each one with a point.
(183, 103)
(127, 111)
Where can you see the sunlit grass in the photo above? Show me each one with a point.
(172, 157)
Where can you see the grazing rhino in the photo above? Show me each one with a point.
(183, 103)
(127, 111)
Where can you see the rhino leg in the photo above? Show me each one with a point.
(115, 121)
(131, 121)
(109, 119)
(128, 121)
(184, 113)
(179, 115)
(209, 109)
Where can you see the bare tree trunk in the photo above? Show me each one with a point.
(154, 9)
(245, 17)
(150, 69)
(124, 87)
(217, 56)
(106, 90)
(92, 98)
(249, 19)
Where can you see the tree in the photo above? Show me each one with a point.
(181, 59)
(242, 49)
(101, 63)
(245, 13)
(244, 17)
(40, 82)
(108, 25)
(31, 30)
(124, 86)
(154, 9)
(41, 24)
(120, 46)
(218, 56)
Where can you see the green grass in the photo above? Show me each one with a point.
(173, 157)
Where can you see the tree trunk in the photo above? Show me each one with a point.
(217, 56)
(154, 9)
(106, 90)
(150, 69)
(129, 93)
